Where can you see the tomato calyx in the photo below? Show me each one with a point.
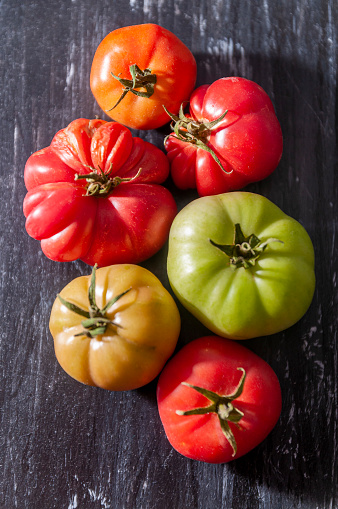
(100, 183)
(222, 406)
(140, 79)
(96, 322)
(193, 131)
(245, 251)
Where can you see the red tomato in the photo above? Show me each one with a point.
(217, 153)
(165, 74)
(117, 214)
(217, 400)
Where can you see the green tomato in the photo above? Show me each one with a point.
(240, 265)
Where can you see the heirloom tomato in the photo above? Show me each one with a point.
(240, 265)
(217, 400)
(93, 194)
(230, 138)
(116, 328)
(139, 69)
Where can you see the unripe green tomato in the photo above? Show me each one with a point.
(256, 284)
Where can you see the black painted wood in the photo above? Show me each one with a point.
(63, 445)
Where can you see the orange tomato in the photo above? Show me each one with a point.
(169, 70)
(115, 329)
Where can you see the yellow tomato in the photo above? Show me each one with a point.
(117, 345)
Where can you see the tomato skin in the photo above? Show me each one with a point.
(148, 46)
(212, 363)
(145, 208)
(128, 225)
(248, 141)
(269, 296)
(129, 355)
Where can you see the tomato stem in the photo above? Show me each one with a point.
(100, 183)
(192, 131)
(244, 251)
(96, 323)
(222, 406)
(140, 79)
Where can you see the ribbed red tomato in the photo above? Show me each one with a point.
(230, 138)
(93, 194)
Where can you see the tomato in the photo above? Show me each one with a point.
(145, 67)
(93, 194)
(241, 265)
(230, 138)
(116, 328)
(217, 400)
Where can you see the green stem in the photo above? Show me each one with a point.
(140, 79)
(192, 131)
(96, 323)
(222, 406)
(244, 251)
(100, 183)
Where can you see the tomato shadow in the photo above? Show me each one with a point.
(296, 459)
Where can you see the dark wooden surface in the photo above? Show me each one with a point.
(64, 445)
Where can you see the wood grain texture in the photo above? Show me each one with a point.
(63, 445)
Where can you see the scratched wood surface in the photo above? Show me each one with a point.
(64, 445)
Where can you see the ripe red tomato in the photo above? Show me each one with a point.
(150, 67)
(93, 194)
(217, 400)
(230, 138)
